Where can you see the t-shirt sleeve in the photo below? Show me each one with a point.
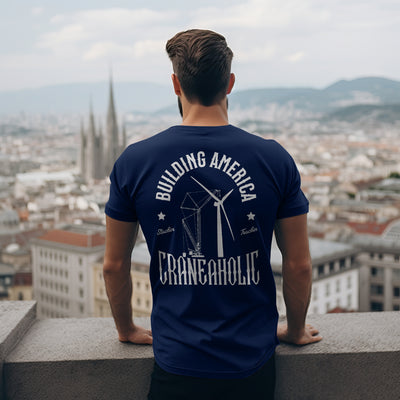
(120, 205)
(294, 202)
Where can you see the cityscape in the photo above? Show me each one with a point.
(54, 186)
(81, 81)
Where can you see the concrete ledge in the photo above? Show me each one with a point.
(15, 319)
(359, 358)
(78, 359)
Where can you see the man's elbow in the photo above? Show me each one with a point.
(114, 267)
(299, 267)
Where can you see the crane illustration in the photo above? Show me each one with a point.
(191, 208)
(219, 204)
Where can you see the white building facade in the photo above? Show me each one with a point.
(62, 271)
(335, 277)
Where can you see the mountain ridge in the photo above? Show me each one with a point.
(156, 98)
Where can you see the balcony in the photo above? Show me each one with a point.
(359, 358)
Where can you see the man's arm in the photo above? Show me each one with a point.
(292, 239)
(120, 239)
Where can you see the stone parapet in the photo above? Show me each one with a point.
(359, 358)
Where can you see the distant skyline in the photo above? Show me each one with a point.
(275, 43)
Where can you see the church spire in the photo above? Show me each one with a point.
(82, 155)
(91, 145)
(112, 150)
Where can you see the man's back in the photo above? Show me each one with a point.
(207, 199)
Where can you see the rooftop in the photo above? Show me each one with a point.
(319, 249)
(76, 235)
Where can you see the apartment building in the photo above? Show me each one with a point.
(379, 260)
(62, 262)
(335, 276)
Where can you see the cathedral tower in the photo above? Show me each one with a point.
(112, 150)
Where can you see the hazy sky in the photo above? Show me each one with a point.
(275, 42)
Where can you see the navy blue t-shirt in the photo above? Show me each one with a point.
(207, 199)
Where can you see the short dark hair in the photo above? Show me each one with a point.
(202, 61)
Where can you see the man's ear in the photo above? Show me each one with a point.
(231, 83)
(177, 85)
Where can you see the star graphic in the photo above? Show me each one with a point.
(251, 216)
(161, 216)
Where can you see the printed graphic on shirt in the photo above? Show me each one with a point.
(206, 215)
(192, 222)
(193, 161)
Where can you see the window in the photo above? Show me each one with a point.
(80, 277)
(137, 285)
(396, 307)
(327, 306)
(81, 292)
(327, 289)
(138, 301)
(331, 267)
(377, 272)
(342, 263)
(396, 274)
(396, 257)
(320, 270)
(380, 256)
(80, 260)
(147, 303)
(377, 290)
(371, 255)
(396, 291)
(349, 282)
(81, 308)
(376, 306)
(349, 301)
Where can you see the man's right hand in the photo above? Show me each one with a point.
(307, 336)
(137, 335)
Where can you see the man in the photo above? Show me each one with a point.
(208, 197)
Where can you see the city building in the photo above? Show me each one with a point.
(379, 260)
(62, 262)
(19, 257)
(7, 273)
(335, 276)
